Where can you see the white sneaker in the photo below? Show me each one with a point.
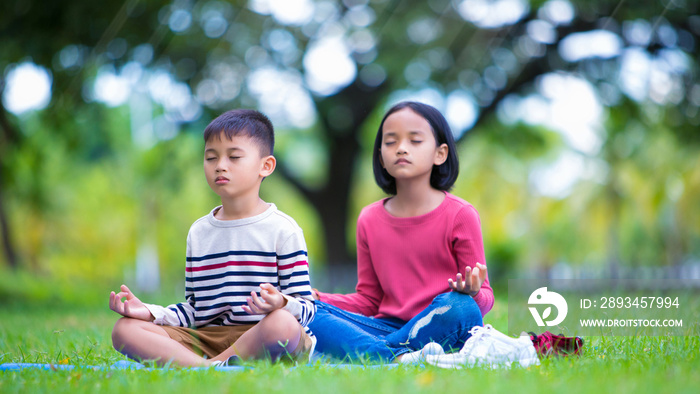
(487, 347)
(417, 357)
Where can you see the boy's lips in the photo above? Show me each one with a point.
(221, 180)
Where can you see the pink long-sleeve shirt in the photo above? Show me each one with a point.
(404, 263)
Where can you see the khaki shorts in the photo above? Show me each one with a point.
(212, 341)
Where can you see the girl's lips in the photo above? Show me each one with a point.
(402, 161)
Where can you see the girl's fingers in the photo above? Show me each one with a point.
(452, 284)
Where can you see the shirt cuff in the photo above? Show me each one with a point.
(293, 306)
(157, 312)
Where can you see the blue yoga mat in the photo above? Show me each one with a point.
(119, 365)
(130, 365)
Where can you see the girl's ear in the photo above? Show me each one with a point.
(268, 166)
(441, 154)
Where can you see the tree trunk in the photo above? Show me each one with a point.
(332, 201)
(8, 137)
(7, 246)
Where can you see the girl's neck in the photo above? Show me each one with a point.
(414, 199)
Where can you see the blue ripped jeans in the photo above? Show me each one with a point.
(342, 334)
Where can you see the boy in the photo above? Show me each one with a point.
(243, 246)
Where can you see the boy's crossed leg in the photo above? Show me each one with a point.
(276, 335)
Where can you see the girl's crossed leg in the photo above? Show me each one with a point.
(447, 321)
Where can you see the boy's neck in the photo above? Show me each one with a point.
(241, 208)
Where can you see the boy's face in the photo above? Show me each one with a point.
(235, 167)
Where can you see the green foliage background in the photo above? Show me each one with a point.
(81, 198)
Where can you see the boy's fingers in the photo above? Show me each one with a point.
(255, 298)
(256, 304)
(251, 306)
(267, 296)
(111, 300)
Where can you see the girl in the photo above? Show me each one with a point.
(408, 245)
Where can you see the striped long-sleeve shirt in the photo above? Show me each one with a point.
(226, 260)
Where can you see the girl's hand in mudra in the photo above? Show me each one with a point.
(473, 279)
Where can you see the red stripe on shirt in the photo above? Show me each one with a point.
(232, 263)
(294, 264)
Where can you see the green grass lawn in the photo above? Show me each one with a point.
(81, 336)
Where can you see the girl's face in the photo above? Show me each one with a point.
(409, 149)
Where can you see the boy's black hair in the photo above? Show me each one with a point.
(442, 176)
(247, 122)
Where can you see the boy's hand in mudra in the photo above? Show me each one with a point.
(473, 279)
(131, 307)
(270, 299)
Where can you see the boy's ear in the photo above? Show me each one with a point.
(268, 166)
(441, 154)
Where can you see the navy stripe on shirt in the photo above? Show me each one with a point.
(247, 253)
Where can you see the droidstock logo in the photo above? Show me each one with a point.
(543, 297)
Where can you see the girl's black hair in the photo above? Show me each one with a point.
(442, 176)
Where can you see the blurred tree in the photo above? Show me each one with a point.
(321, 69)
